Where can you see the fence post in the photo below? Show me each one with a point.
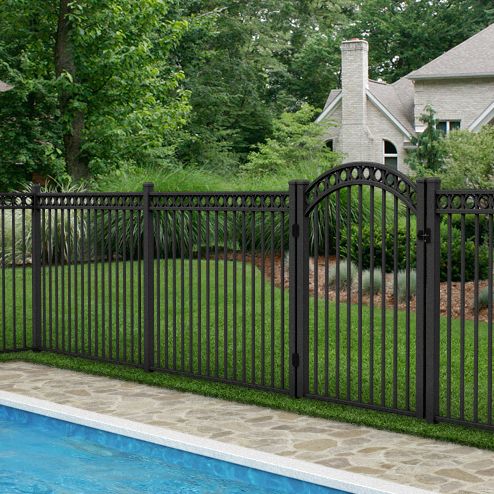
(428, 299)
(36, 268)
(299, 289)
(148, 256)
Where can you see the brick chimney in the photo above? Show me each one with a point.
(354, 83)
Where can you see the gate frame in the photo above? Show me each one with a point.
(299, 288)
(421, 201)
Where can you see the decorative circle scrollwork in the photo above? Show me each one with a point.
(372, 174)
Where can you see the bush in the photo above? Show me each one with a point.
(469, 225)
(483, 299)
(401, 288)
(469, 159)
(389, 242)
(344, 281)
(366, 281)
(456, 247)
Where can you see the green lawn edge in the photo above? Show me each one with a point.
(342, 413)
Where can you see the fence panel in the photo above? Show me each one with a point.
(466, 270)
(91, 275)
(221, 308)
(359, 288)
(15, 272)
(362, 324)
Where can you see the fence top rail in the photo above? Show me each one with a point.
(223, 201)
(90, 200)
(9, 200)
(465, 201)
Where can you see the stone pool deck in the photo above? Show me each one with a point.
(431, 465)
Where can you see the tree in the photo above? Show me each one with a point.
(406, 34)
(429, 153)
(93, 84)
(245, 63)
(296, 144)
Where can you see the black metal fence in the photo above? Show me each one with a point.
(361, 287)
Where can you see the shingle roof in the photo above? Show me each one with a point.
(472, 58)
(4, 87)
(398, 98)
(332, 96)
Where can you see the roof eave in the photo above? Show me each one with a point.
(329, 108)
(386, 112)
(421, 77)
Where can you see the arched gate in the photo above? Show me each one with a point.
(358, 291)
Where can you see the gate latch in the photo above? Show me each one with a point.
(424, 235)
(295, 359)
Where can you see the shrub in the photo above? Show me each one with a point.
(344, 281)
(377, 281)
(389, 244)
(469, 225)
(401, 288)
(469, 159)
(469, 256)
(483, 298)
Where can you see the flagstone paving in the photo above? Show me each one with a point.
(431, 465)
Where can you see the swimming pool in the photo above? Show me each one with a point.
(44, 450)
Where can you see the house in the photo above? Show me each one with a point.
(375, 121)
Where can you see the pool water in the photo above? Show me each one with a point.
(42, 455)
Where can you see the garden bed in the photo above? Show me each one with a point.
(457, 292)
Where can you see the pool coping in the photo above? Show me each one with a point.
(352, 483)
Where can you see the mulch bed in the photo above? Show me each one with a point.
(457, 309)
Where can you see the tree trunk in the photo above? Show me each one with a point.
(64, 62)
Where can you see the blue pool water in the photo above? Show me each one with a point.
(41, 455)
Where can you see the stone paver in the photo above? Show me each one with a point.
(424, 463)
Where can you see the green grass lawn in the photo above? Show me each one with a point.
(248, 342)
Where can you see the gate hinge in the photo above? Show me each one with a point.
(424, 235)
(295, 230)
(295, 359)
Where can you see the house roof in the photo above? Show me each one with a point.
(332, 96)
(395, 100)
(398, 99)
(472, 58)
(4, 87)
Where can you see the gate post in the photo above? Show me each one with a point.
(428, 299)
(299, 288)
(36, 268)
(148, 255)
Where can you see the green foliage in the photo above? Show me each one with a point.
(123, 86)
(469, 222)
(455, 244)
(469, 159)
(402, 246)
(429, 154)
(407, 34)
(406, 285)
(246, 63)
(170, 178)
(340, 272)
(483, 299)
(296, 141)
(375, 277)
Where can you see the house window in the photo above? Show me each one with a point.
(390, 155)
(447, 126)
(330, 144)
